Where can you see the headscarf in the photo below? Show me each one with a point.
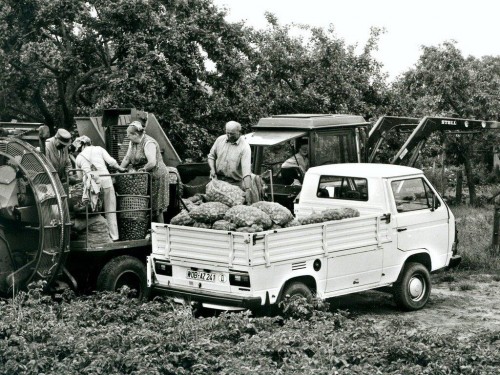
(138, 125)
(80, 141)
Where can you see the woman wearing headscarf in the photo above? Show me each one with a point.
(144, 155)
(93, 160)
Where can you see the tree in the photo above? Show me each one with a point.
(64, 58)
(179, 59)
(446, 83)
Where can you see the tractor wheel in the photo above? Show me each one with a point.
(124, 270)
(412, 290)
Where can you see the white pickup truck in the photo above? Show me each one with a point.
(404, 232)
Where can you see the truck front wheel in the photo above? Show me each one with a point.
(121, 271)
(412, 290)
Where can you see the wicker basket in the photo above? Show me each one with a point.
(132, 229)
(130, 184)
(137, 206)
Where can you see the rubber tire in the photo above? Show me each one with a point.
(124, 270)
(401, 289)
(297, 288)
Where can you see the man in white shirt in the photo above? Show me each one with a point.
(230, 158)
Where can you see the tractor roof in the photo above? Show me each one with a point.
(309, 121)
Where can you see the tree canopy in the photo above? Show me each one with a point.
(183, 61)
(179, 59)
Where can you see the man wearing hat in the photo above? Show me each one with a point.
(56, 150)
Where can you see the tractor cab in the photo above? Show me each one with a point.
(330, 139)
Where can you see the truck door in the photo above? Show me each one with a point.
(353, 260)
(421, 218)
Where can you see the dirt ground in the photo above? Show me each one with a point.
(465, 304)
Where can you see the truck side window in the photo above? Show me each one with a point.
(412, 194)
(342, 187)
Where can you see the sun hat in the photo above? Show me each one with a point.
(63, 136)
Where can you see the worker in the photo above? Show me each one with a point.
(295, 167)
(92, 160)
(144, 155)
(229, 159)
(56, 150)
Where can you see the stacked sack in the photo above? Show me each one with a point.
(248, 219)
(328, 215)
(280, 216)
(222, 208)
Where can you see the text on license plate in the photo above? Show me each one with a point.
(204, 276)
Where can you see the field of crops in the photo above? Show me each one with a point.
(113, 334)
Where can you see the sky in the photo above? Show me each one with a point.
(409, 25)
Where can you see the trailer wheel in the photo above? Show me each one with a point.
(123, 270)
(297, 288)
(412, 290)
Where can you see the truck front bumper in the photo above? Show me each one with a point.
(205, 296)
(454, 261)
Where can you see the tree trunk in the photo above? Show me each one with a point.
(460, 183)
(470, 177)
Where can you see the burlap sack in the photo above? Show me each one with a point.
(224, 225)
(182, 218)
(209, 212)
(279, 214)
(224, 192)
(246, 216)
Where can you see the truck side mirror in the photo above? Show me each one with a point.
(435, 202)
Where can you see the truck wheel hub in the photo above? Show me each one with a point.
(416, 288)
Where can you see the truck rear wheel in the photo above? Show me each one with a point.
(413, 289)
(297, 288)
(123, 270)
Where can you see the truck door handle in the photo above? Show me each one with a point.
(386, 217)
(402, 229)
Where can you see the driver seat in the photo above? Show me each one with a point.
(290, 174)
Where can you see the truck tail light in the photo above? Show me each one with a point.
(239, 279)
(163, 268)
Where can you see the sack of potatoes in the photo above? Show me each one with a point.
(209, 212)
(279, 214)
(246, 216)
(224, 192)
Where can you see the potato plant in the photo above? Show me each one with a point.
(109, 333)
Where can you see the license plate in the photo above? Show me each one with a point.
(203, 276)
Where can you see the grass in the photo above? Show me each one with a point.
(475, 233)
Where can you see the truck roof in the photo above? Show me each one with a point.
(306, 121)
(365, 170)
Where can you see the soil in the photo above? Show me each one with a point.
(463, 304)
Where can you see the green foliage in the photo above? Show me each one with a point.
(112, 334)
(475, 231)
(180, 60)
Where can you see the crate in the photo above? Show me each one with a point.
(138, 206)
(131, 184)
(132, 229)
